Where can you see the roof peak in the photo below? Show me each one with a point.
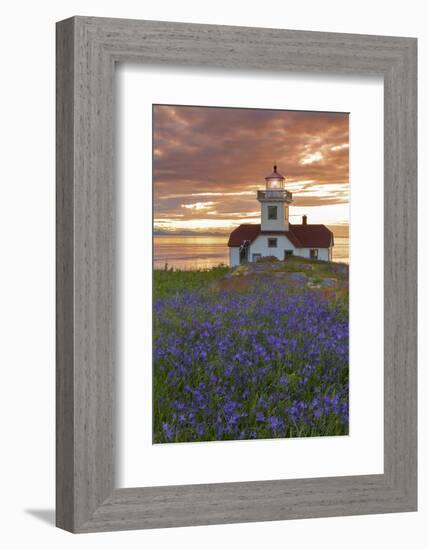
(275, 174)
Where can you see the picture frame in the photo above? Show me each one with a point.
(87, 50)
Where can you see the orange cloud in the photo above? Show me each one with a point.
(208, 162)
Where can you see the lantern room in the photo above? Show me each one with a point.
(274, 180)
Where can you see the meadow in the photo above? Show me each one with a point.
(257, 352)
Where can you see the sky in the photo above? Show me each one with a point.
(209, 162)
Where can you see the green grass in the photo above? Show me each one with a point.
(169, 282)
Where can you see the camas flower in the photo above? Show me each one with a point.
(169, 433)
(218, 357)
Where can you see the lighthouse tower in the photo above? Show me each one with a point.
(274, 201)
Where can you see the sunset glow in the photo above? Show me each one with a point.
(208, 163)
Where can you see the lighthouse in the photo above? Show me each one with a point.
(274, 201)
(275, 236)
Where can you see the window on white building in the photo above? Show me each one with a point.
(313, 253)
(272, 212)
(272, 243)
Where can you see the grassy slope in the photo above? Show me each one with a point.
(168, 282)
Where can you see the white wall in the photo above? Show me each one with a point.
(234, 256)
(260, 246)
(323, 253)
(280, 224)
(27, 275)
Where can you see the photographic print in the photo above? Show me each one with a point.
(250, 274)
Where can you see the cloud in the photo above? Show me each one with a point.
(314, 157)
(209, 156)
(199, 205)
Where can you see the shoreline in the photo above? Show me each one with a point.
(203, 252)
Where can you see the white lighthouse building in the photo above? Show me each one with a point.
(275, 236)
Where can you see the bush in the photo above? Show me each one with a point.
(267, 259)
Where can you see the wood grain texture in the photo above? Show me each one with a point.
(64, 277)
(87, 49)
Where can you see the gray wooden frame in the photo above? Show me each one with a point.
(87, 50)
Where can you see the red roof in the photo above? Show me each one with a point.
(301, 235)
(244, 232)
(313, 235)
(275, 175)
